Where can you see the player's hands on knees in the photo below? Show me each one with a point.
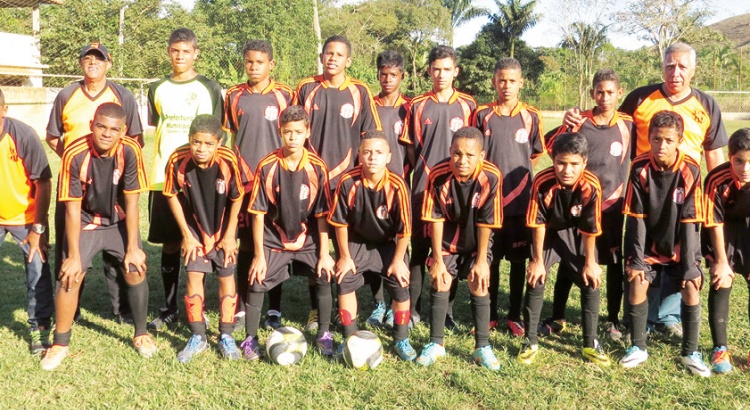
(344, 265)
(535, 273)
(70, 272)
(480, 274)
(572, 117)
(722, 275)
(696, 282)
(400, 271)
(325, 266)
(592, 275)
(228, 244)
(258, 269)
(439, 276)
(37, 245)
(191, 248)
(137, 258)
(637, 275)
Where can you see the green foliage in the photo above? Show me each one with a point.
(512, 20)
(15, 20)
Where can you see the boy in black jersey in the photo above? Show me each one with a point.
(565, 218)
(372, 216)
(664, 209)
(204, 189)
(724, 238)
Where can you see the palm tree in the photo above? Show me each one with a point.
(586, 41)
(461, 12)
(512, 20)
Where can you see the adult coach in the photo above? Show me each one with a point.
(70, 120)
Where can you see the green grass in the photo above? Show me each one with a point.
(104, 371)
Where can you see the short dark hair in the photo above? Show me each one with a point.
(666, 119)
(470, 133)
(441, 52)
(339, 39)
(258, 45)
(507, 63)
(111, 110)
(374, 135)
(605, 74)
(390, 58)
(207, 124)
(739, 141)
(570, 143)
(294, 113)
(183, 35)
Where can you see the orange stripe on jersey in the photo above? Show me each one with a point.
(69, 155)
(342, 166)
(533, 208)
(313, 177)
(140, 165)
(712, 191)
(516, 191)
(592, 183)
(486, 167)
(373, 108)
(428, 204)
(398, 185)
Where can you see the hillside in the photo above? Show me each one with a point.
(736, 29)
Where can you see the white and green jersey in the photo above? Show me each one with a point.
(172, 107)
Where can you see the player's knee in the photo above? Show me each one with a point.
(132, 278)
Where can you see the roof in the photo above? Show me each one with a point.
(27, 3)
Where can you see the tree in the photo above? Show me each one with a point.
(585, 41)
(461, 11)
(512, 20)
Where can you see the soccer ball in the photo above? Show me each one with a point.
(286, 346)
(363, 350)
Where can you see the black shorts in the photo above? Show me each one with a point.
(512, 241)
(111, 240)
(376, 260)
(675, 275)
(565, 247)
(737, 244)
(420, 238)
(162, 227)
(277, 268)
(459, 264)
(609, 243)
(213, 262)
(245, 223)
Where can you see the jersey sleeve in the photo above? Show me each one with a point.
(407, 134)
(713, 203)
(171, 186)
(631, 103)
(31, 151)
(490, 214)
(692, 208)
(716, 134)
(635, 196)
(340, 206)
(153, 112)
(134, 172)
(536, 213)
(403, 209)
(590, 222)
(370, 118)
(536, 136)
(431, 210)
(236, 184)
(322, 204)
(70, 187)
(55, 126)
(259, 202)
(133, 120)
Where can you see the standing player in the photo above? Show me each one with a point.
(462, 204)
(664, 209)
(251, 115)
(173, 103)
(96, 171)
(725, 243)
(284, 232)
(514, 140)
(25, 176)
(371, 213)
(431, 120)
(565, 218)
(204, 187)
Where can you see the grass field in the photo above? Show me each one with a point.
(104, 371)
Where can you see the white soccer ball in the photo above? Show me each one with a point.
(363, 350)
(286, 346)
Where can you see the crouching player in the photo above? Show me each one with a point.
(565, 218)
(371, 213)
(290, 202)
(664, 209)
(462, 204)
(99, 172)
(204, 188)
(727, 199)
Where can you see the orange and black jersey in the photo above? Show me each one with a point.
(704, 128)
(206, 194)
(338, 118)
(725, 200)
(392, 119)
(463, 206)
(667, 202)
(511, 142)
(276, 190)
(23, 162)
(253, 119)
(429, 126)
(611, 147)
(99, 181)
(557, 208)
(373, 215)
(74, 109)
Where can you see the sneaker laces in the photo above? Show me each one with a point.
(193, 342)
(228, 343)
(249, 345)
(405, 346)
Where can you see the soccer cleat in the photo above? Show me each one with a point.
(430, 354)
(377, 315)
(325, 344)
(494, 324)
(388, 320)
(596, 355)
(486, 357)
(195, 345)
(36, 345)
(165, 317)
(633, 357)
(694, 363)
(145, 345)
(528, 353)
(272, 321)
(228, 347)
(721, 360)
(312, 321)
(550, 326)
(250, 349)
(54, 356)
(515, 328)
(405, 351)
(613, 331)
(450, 324)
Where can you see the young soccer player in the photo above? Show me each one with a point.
(664, 210)
(251, 115)
(727, 199)
(462, 204)
(204, 189)
(96, 171)
(370, 212)
(290, 202)
(431, 120)
(173, 103)
(514, 141)
(610, 136)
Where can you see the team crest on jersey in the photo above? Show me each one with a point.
(271, 113)
(475, 200)
(221, 186)
(615, 149)
(191, 98)
(522, 136)
(382, 212)
(575, 210)
(456, 123)
(678, 196)
(304, 192)
(116, 177)
(347, 111)
(398, 128)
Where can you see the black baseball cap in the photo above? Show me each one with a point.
(97, 48)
